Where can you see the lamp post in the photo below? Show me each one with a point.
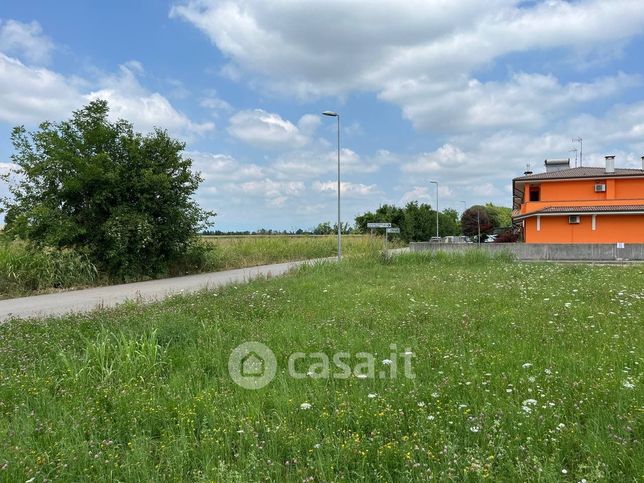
(436, 183)
(464, 209)
(478, 224)
(336, 115)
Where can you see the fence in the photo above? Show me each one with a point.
(545, 251)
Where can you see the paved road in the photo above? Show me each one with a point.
(93, 298)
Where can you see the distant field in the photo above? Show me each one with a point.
(250, 250)
(25, 271)
(524, 372)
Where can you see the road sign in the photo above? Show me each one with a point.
(378, 225)
(393, 230)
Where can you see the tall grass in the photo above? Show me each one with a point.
(245, 251)
(25, 269)
(524, 372)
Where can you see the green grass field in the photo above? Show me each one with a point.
(524, 372)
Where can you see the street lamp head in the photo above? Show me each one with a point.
(330, 113)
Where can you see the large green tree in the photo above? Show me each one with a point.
(417, 222)
(500, 216)
(98, 186)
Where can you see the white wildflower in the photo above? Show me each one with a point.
(305, 405)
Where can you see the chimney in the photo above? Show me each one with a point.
(610, 164)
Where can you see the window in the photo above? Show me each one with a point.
(574, 219)
(534, 193)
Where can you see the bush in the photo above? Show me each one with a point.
(124, 197)
(508, 236)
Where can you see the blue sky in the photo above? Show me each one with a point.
(463, 92)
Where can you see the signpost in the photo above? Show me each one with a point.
(388, 229)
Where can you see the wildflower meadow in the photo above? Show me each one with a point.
(521, 372)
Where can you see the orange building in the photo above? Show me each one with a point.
(580, 205)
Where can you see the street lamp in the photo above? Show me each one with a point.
(436, 183)
(336, 115)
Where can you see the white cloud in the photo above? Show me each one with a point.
(33, 94)
(305, 164)
(526, 101)
(267, 130)
(275, 193)
(7, 167)
(128, 99)
(211, 100)
(25, 40)
(219, 168)
(420, 55)
(417, 193)
(30, 95)
(346, 188)
(447, 157)
(308, 123)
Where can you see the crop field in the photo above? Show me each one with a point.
(505, 371)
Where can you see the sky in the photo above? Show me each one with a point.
(462, 92)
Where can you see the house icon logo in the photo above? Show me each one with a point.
(252, 365)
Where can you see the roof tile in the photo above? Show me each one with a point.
(581, 172)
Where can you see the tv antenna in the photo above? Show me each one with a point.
(581, 150)
(574, 150)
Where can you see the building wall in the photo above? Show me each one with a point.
(543, 251)
(571, 191)
(609, 229)
(580, 192)
(629, 189)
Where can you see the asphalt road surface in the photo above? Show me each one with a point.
(86, 300)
